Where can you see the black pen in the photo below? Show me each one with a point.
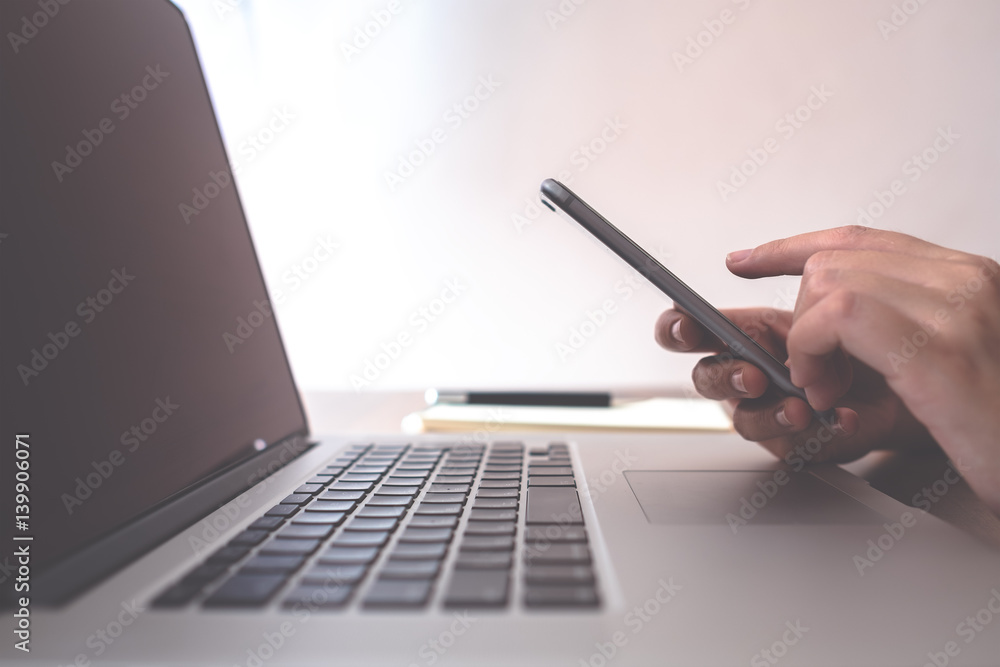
(566, 399)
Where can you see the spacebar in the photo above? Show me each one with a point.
(553, 504)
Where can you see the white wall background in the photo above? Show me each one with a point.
(324, 174)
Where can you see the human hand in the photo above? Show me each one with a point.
(902, 335)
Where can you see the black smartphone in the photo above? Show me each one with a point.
(561, 199)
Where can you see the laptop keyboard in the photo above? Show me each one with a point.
(403, 527)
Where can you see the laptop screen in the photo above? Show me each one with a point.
(140, 352)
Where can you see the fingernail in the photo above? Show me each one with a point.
(737, 256)
(675, 332)
(838, 429)
(782, 418)
(737, 381)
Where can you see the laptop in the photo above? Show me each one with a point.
(166, 502)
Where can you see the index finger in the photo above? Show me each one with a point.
(787, 257)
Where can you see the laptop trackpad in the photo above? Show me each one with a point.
(769, 497)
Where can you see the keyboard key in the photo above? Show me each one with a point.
(305, 531)
(495, 503)
(246, 590)
(311, 518)
(555, 533)
(484, 560)
(282, 510)
(177, 595)
(500, 484)
(403, 481)
(296, 499)
(290, 547)
(229, 554)
(477, 588)
(444, 497)
(560, 596)
(422, 474)
(205, 573)
(410, 569)
(424, 535)
(273, 564)
(490, 528)
(439, 508)
(427, 521)
(396, 593)
(453, 479)
(449, 488)
(249, 538)
(419, 551)
(331, 505)
(537, 480)
(335, 574)
(492, 515)
(342, 495)
(312, 596)
(358, 477)
(381, 500)
(361, 539)
(501, 475)
(373, 471)
(497, 493)
(266, 523)
(350, 486)
(368, 523)
(558, 574)
(549, 470)
(545, 504)
(348, 555)
(311, 489)
(399, 490)
(487, 543)
(381, 512)
(558, 554)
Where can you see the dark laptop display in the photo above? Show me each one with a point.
(140, 354)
